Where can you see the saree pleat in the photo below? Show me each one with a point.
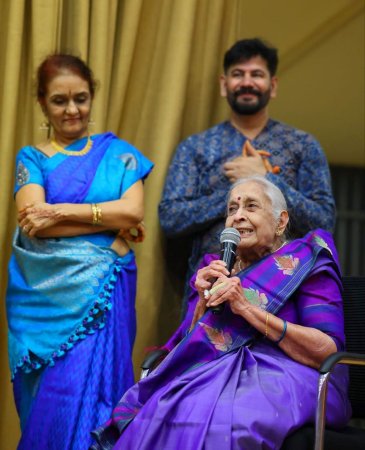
(246, 400)
(81, 389)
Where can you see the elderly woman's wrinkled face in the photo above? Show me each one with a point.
(250, 211)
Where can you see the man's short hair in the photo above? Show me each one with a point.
(246, 49)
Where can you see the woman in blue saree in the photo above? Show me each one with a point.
(72, 277)
(246, 378)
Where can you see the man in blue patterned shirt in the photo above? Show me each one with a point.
(206, 164)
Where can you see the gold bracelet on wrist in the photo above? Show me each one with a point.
(96, 211)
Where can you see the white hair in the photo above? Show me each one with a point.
(275, 195)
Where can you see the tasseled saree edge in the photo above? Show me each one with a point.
(94, 320)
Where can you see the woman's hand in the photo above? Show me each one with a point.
(38, 216)
(135, 234)
(206, 278)
(209, 276)
(229, 290)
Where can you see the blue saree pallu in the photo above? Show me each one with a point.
(71, 301)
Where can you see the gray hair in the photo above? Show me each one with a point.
(273, 192)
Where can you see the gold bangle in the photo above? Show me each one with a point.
(267, 325)
(99, 215)
(93, 209)
(96, 211)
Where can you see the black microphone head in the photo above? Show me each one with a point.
(230, 235)
(229, 239)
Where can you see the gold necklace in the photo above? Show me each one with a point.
(81, 152)
(281, 246)
(240, 262)
(239, 265)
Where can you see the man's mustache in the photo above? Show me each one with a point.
(247, 91)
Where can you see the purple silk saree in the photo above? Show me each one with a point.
(223, 386)
(70, 302)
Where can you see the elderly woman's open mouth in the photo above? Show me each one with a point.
(245, 231)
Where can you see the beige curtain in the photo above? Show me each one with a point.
(157, 62)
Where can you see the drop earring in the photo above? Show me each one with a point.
(46, 126)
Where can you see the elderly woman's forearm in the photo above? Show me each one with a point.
(306, 345)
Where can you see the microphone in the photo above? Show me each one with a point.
(229, 240)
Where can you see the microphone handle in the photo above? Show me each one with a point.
(217, 310)
(228, 255)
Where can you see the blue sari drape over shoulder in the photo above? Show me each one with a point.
(70, 301)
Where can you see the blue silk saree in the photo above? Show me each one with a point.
(71, 301)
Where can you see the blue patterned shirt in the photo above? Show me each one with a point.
(195, 192)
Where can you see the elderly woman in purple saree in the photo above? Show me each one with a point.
(72, 277)
(245, 378)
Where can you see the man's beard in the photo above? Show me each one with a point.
(248, 108)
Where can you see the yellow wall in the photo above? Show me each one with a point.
(322, 69)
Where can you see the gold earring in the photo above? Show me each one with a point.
(278, 233)
(46, 126)
(91, 122)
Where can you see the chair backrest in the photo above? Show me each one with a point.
(354, 311)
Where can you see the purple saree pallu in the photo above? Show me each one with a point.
(223, 386)
(71, 306)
